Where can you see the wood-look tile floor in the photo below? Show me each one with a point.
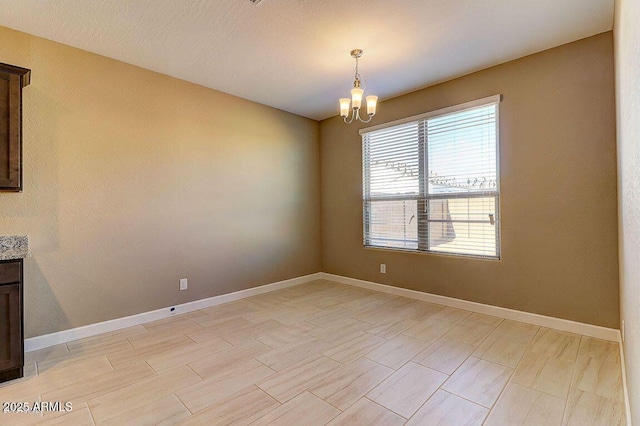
(325, 353)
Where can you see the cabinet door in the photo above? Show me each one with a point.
(10, 146)
(10, 327)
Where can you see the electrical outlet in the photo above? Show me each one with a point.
(183, 283)
(622, 331)
(383, 268)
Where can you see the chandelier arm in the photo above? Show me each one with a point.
(366, 121)
(353, 115)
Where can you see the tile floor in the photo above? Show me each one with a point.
(326, 353)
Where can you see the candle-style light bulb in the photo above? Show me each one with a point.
(344, 107)
(372, 103)
(356, 97)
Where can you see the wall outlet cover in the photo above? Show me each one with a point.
(183, 283)
(383, 268)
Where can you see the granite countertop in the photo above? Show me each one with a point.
(14, 247)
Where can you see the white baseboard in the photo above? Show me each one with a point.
(65, 336)
(541, 320)
(627, 404)
(39, 342)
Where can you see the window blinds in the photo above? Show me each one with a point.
(432, 184)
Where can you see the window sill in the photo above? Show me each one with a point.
(435, 253)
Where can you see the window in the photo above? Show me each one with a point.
(431, 182)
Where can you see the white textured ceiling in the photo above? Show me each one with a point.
(294, 54)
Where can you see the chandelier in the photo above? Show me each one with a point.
(356, 98)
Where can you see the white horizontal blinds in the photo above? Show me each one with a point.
(463, 226)
(392, 223)
(445, 200)
(461, 149)
(463, 182)
(391, 186)
(393, 161)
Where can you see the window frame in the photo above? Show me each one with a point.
(423, 195)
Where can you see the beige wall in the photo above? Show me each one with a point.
(627, 59)
(558, 200)
(133, 180)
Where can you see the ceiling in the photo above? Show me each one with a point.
(294, 54)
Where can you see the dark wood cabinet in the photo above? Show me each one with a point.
(11, 339)
(12, 80)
